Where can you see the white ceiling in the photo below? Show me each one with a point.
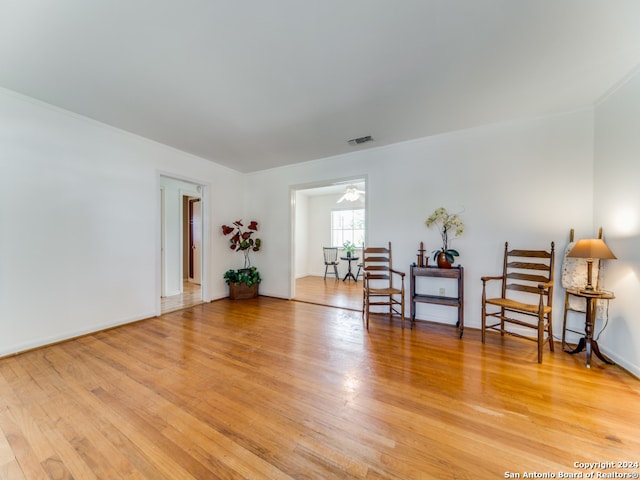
(255, 84)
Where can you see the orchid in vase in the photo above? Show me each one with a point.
(450, 226)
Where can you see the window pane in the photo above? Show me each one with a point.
(347, 225)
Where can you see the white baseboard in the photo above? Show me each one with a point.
(44, 341)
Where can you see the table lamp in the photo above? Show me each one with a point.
(590, 248)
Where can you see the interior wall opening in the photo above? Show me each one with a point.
(328, 214)
(182, 237)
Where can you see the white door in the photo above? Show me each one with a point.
(195, 261)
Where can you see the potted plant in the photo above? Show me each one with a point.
(349, 248)
(450, 225)
(244, 282)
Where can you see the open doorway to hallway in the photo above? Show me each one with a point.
(181, 244)
(323, 217)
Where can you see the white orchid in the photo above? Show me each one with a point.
(449, 225)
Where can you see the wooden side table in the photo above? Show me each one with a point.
(456, 273)
(587, 342)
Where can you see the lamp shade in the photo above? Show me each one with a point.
(591, 248)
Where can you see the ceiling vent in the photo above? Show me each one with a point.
(358, 141)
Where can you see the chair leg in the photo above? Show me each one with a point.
(564, 322)
(366, 313)
(484, 319)
(550, 333)
(365, 309)
(325, 271)
(540, 336)
(335, 270)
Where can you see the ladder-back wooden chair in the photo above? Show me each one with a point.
(574, 277)
(330, 260)
(526, 295)
(382, 285)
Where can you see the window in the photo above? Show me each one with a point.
(347, 226)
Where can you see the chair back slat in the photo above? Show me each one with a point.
(377, 250)
(371, 259)
(528, 266)
(530, 253)
(380, 268)
(525, 276)
(330, 255)
(524, 288)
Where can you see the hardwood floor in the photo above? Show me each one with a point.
(268, 388)
(331, 292)
(191, 295)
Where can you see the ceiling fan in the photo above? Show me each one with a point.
(351, 194)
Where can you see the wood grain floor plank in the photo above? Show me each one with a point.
(25, 457)
(11, 471)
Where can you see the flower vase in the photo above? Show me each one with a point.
(442, 261)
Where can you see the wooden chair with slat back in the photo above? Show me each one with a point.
(382, 285)
(574, 277)
(526, 295)
(330, 260)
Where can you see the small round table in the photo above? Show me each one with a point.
(349, 272)
(587, 342)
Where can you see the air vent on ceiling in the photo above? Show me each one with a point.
(358, 141)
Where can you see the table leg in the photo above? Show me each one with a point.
(596, 350)
(587, 342)
(349, 273)
(579, 348)
(588, 348)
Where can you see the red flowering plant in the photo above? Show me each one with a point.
(241, 239)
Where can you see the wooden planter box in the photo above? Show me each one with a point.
(240, 291)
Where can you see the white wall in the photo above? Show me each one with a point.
(617, 209)
(526, 182)
(79, 223)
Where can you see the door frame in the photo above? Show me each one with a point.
(191, 267)
(203, 188)
(293, 191)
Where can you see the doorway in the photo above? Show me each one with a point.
(192, 246)
(182, 265)
(313, 207)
